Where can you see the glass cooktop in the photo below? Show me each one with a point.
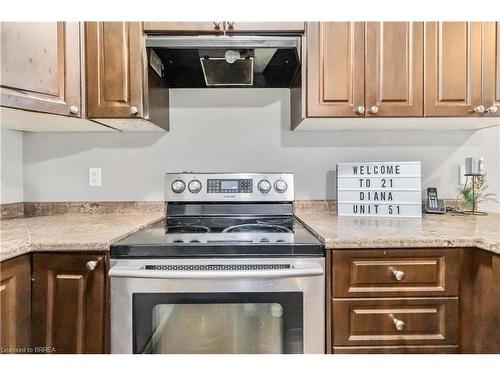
(229, 225)
(220, 236)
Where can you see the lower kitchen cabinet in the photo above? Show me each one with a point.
(480, 302)
(396, 272)
(402, 349)
(394, 300)
(395, 321)
(69, 313)
(15, 305)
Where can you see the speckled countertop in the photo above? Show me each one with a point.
(96, 231)
(69, 232)
(430, 231)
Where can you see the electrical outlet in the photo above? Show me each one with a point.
(95, 177)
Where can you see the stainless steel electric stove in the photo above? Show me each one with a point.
(229, 270)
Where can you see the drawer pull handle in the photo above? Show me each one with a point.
(91, 265)
(398, 324)
(399, 275)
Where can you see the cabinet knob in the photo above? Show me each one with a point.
(360, 110)
(216, 25)
(373, 109)
(492, 109)
(479, 109)
(398, 324)
(91, 265)
(398, 275)
(73, 109)
(134, 110)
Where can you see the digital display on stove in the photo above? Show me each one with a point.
(229, 185)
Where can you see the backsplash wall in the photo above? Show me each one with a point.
(238, 130)
(11, 146)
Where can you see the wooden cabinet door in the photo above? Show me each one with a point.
(216, 27)
(480, 303)
(491, 67)
(69, 302)
(184, 27)
(260, 27)
(394, 69)
(452, 68)
(335, 69)
(15, 305)
(114, 55)
(40, 67)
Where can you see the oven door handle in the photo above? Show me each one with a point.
(313, 270)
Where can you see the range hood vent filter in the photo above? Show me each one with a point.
(218, 72)
(199, 61)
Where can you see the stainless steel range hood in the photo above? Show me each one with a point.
(225, 61)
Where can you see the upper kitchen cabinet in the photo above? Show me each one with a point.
(394, 69)
(261, 27)
(40, 67)
(213, 27)
(491, 67)
(462, 69)
(453, 69)
(217, 27)
(398, 69)
(123, 90)
(335, 69)
(350, 76)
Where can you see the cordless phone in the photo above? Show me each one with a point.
(433, 205)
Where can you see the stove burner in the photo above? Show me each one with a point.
(181, 222)
(256, 228)
(276, 221)
(186, 229)
(224, 222)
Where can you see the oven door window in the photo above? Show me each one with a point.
(221, 323)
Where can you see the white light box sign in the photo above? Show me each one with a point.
(383, 189)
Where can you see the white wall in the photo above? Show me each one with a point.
(11, 171)
(237, 130)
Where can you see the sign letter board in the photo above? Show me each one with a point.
(382, 189)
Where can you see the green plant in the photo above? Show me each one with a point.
(475, 192)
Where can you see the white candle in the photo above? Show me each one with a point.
(480, 165)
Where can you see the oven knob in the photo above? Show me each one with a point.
(178, 186)
(264, 186)
(280, 186)
(194, 186)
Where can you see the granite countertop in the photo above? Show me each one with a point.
(69, 232)
(97, 230)
(430, 231)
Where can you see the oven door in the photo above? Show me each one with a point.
(218, 306)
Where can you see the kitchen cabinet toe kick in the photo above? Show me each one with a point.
(402, 349)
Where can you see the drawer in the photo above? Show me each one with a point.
(395, 321)
(404, 349)
(395, 272)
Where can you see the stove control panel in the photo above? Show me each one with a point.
(229, 187)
